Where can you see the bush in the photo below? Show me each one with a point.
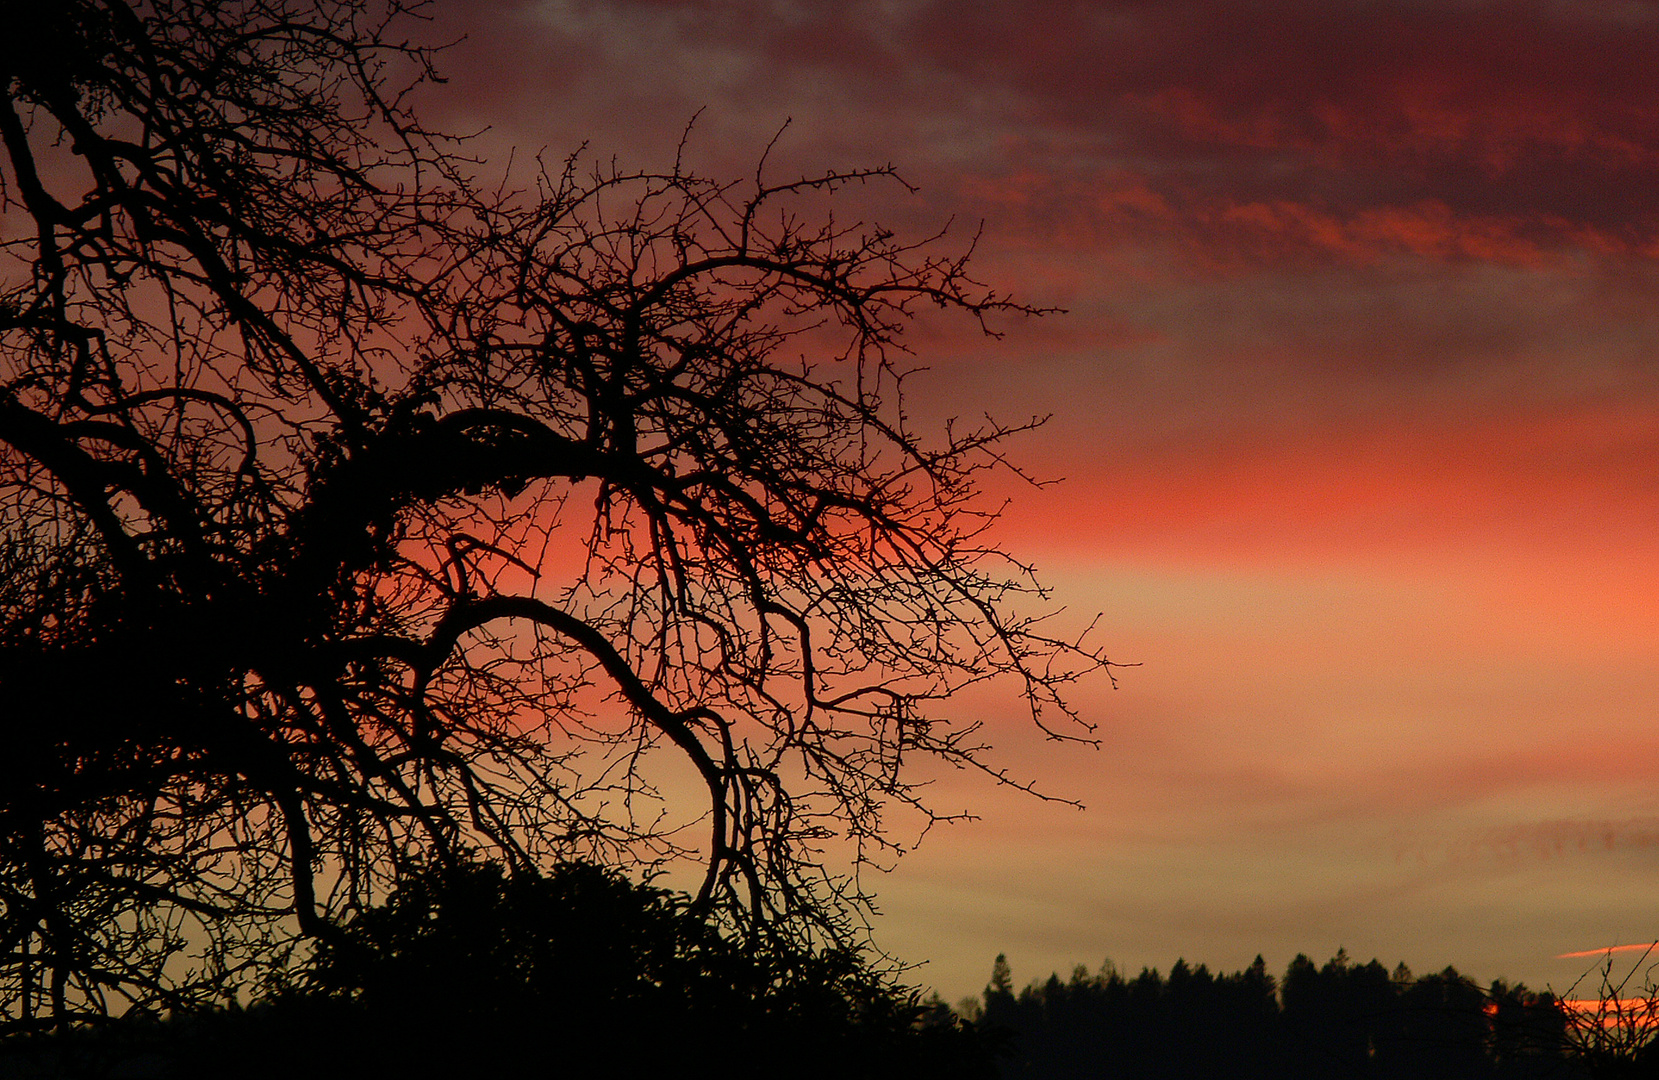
(472, 972)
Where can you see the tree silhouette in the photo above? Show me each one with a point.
(1341, 1020)
(360, 510)
(468, 970)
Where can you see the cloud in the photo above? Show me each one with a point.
(1556, 839)
(1343, 131)
(1645, 947)
(1296, 132)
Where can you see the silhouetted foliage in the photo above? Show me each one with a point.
(1337, 1020)
(357, 510)
(617, 977)
(467, 972)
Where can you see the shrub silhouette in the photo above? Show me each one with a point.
(583, 970)
(470, 972)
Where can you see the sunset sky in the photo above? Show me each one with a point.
(1357, 406)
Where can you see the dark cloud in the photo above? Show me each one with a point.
(1452, 130)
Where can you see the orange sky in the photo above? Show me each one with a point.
(1358, 405)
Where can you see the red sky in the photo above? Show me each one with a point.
(1357, 400)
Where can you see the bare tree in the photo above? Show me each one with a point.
(356, 511)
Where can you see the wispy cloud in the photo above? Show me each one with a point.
(1644, 947)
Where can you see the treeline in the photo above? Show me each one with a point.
(467, 971)
(1340, 1020)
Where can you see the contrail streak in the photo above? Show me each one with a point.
(1610, 950)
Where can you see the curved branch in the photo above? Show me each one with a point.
(471, 614)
